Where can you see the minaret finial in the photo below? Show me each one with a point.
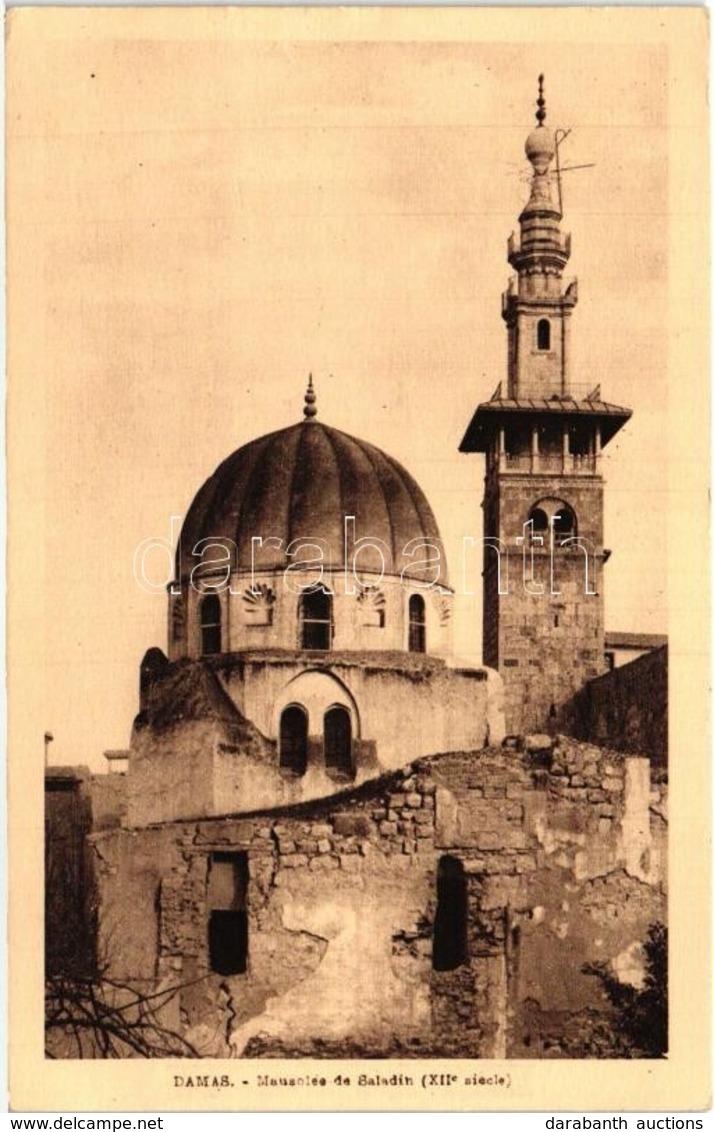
(310, 411)
(540, 112)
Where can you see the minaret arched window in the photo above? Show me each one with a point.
(293, 739)
(210, 625)
(316, 620)
(539, 519)
(417, 624)
(543, 334)
(564, 523)
(338, 741)
(450, 949)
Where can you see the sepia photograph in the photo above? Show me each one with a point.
(344, 448)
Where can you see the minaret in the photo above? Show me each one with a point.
(543, 499)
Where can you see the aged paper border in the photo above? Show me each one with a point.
(683, 1081)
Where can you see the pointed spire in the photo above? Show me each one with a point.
(310, 410)
(540, 112)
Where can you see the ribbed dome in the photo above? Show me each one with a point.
(300, 483)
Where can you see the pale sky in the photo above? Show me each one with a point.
(197, 223)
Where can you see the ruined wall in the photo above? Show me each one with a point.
(561, 852)
(626, 708)
(69, 890)
(334, 901)
(206, 742)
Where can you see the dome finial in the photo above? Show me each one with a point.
(310, 411)
(540, 112)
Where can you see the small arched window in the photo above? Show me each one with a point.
(543, 334)
(564, 523)
(539, 519)
(316, 620)
(210, 625)
(293, 739)
(338, 741)
(417, 624)
(451, 921)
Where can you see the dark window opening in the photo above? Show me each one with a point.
(451, 921)
(316, 620)
(564, 524)
(518, 439)
(539, 519)
(178, 619)
(417, 624)
(338, 741)
(227, 899)
(609, 661)
(293, 740)
(579, 441)
(543, 334)
(228, 941)
(210, 625)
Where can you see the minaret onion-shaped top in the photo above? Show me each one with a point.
(310, 410)
(540, 143)
(540, 151)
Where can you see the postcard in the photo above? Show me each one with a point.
(358, 388)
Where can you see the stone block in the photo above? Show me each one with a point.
(484, 839)
(294, 861)
(414, 800)
(538, 742)
(526, 863)
(319, 863)
(613, 785)
(388, 828)
(324, 846)
(352, 825)
(319, 831)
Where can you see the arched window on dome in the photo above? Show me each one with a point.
(417, 624)
(316, 620)
(210, 625)
(292, 744)
(338, 741)
(543, 334)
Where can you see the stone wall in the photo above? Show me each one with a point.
(545, 644)
(626, 708)
(561, 851)
(205, 742)
(69, 891)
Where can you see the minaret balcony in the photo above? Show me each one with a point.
(539, 464)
